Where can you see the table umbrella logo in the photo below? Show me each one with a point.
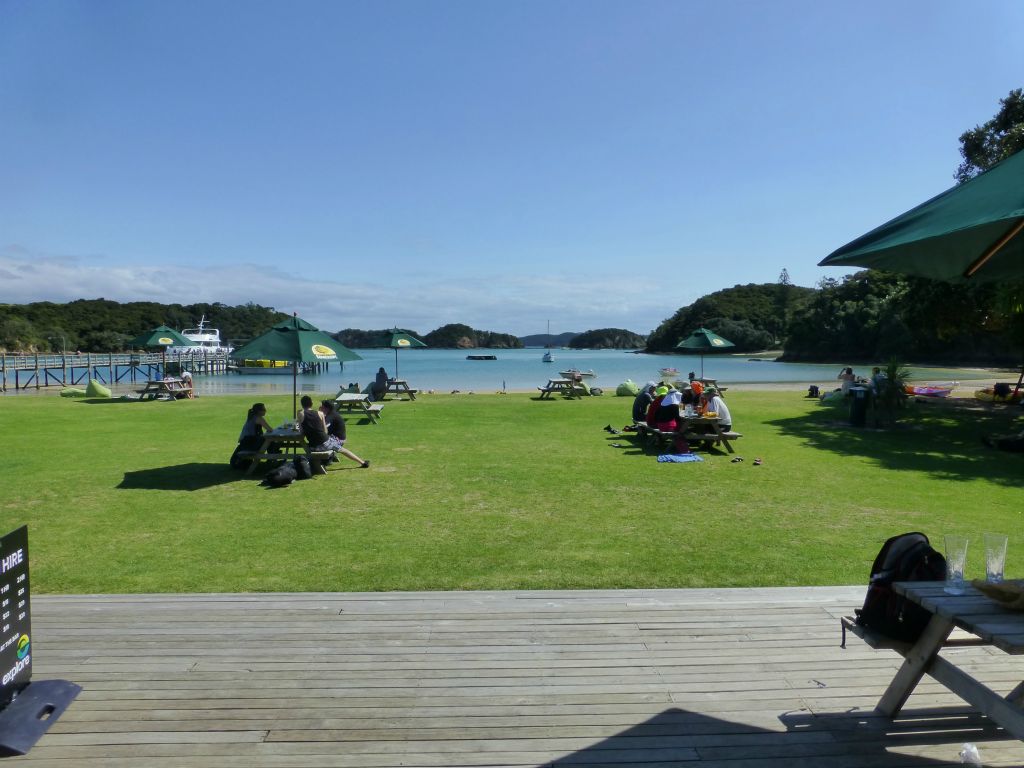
(403, 343)
(718, 342)
(23, 646)
(320, 352)
(165, 340)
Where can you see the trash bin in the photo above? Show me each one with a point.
(858, 406)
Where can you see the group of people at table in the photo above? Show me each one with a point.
(323, 429)
(666, 408)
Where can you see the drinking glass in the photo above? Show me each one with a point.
(995, 557)
(956, 559)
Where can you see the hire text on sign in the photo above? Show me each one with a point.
(15, 619)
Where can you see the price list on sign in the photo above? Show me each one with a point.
(15, 622)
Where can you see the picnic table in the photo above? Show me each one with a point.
(358, 402)
(399, 387)
(987, 623)
(694, 429)
(568, 387)
(166, 389)
(285, 443)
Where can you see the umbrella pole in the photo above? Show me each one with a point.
(295, 387)
(396, 362)
(993, 249)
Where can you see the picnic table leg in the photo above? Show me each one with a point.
(263, 450)
(915, 665)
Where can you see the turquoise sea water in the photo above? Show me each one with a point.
(444, 370)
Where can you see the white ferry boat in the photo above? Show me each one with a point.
(203, 340)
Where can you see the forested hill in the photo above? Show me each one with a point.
(753, 316)
(608, 338)
(99, 325)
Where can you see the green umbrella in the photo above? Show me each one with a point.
(973, 230)
(702, 340)
(161, 336)
(296, 341)
(397, 340)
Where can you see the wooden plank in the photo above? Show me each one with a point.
(745, 678)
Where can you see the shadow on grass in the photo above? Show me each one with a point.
(115, 401)
(183, 477)
(680, 737)
(942, 443)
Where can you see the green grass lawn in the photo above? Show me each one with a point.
(491, 492)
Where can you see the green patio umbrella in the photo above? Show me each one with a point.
(397, 340)
(702, 340)
(974, 230)
(296, 341)
(162, 337)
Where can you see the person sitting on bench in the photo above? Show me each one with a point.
(337, 433)
(251, 438)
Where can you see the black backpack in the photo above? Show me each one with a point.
(302, 469)
(280, 476)
(907, 557)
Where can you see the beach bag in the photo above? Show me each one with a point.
(280, 476)
(302, 469)
(907, 557)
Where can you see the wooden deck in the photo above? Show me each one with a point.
(655, 678)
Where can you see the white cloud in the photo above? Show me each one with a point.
(382, 297)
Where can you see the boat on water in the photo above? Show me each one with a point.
(668, 374)
(481, 357)
(548, 357)
(576, 373)
(929, 390)
(263, 367)
(203, 340)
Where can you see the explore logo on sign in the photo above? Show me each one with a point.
(15, 622)
(320, 352)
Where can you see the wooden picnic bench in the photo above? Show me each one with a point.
(717, 436)
(986, 623)
(289, 444)
(355, 402)
(165, 389)
(567, 387)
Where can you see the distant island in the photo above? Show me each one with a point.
(869, 316)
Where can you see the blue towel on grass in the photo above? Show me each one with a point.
(678, 458)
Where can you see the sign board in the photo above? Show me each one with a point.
(15, 621)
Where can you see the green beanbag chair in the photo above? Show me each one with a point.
(95, 389)
(628, 388)
(73, 392)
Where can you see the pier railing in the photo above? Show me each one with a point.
(37, 371)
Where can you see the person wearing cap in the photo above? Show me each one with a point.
(643, 401)
(713, 403)
(652, 409)
(666, 418)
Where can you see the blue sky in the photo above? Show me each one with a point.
(500, 164)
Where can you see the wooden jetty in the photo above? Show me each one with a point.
(38, 371)
(720, 678)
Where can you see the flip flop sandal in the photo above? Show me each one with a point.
(617, 445)
(757, 462)
(737, 460)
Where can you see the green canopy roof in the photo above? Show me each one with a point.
(974, 230)
(703, 340)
